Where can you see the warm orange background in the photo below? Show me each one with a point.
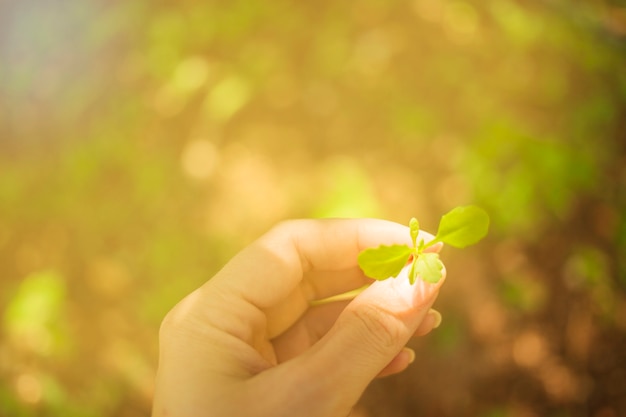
(143, 143)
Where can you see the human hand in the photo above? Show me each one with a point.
(247, 343)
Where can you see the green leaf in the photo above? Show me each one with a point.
(384, 261)
(429, 267)
(414, 226)
(462, 226)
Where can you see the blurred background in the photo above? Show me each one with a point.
(143, 143)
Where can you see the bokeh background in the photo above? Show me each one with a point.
(143, 143)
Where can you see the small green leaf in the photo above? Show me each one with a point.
(384, 261)
(429, 267)
(462, 226)
(414, 226)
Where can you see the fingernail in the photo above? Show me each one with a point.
(411, 354)
(436, 316)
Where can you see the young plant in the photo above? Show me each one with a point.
(460, 227)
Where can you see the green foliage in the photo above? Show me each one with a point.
(385, 261)
(461, 227)
(525, 178)
(385, 109)
(428, 267)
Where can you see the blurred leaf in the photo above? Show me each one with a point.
(520, 26)
(449, 336)
(523, 293)
(588, 269)
(345, 190)
(227, 97)
(33, 315)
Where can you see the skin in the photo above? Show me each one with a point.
(247, 343)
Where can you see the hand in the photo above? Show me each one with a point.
(247, 343)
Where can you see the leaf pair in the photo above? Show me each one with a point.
(461, 227)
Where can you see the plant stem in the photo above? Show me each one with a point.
(431, 243)
(349, 295)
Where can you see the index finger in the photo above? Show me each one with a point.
(267, 271)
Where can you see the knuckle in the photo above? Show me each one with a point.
(167, 326)
(175, 321)
(378, 326)
(288, 225)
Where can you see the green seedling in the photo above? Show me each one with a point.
(460, 227)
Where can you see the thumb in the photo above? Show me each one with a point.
(370, 332)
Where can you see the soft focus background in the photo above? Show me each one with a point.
(143, 143)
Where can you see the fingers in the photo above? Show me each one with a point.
(430, 322)
(406, 356)
(373, 328)
(270, 269)
(399, 363)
